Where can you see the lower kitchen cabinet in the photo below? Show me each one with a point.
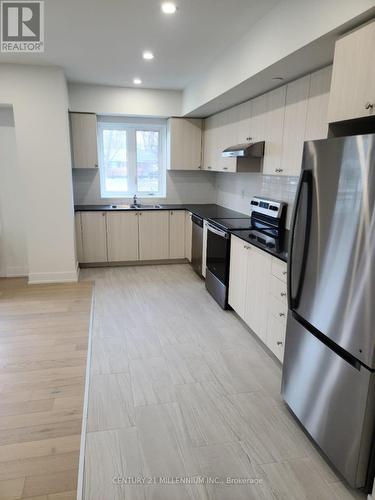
(78, 231)
(276, 330)
(257, 292)
(132, 236)
(257, 289)
(238, 275)
(154, 235)
(188, 236)
(94, 237)
(279, 269)
(177, 234)
(122, 236)
(277, 309)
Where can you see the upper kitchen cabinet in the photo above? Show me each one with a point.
(184, 143)
(218, 135)
(209, 137)
(84, 140)
(228, 136)
(317, 105)
(258, 118)
(229, 128)
(297, 94)
(244, 122)
(273, 130)
(353, 78)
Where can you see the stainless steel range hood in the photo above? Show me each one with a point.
(247, 150)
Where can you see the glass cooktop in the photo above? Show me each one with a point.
(246, 224)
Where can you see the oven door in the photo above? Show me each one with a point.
(218, 251)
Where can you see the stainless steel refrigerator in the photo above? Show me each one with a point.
(329, 364)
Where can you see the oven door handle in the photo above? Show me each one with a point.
(223, 234)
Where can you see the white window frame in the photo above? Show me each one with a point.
(131, 126)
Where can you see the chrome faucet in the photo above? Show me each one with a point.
(135, 199)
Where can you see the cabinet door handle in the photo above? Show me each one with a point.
(369, 105)
(103, 214)
(283, 294)
(282, 315)
(171, 213)
(284, 273)
(199, 167)
(279, 343)
(225, 168)
(209, 168)
(95, 165)
(279, 170)
(247, 247)
(248, 138)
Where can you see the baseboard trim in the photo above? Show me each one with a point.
(83, 265)
(15, 272)
(56, 277)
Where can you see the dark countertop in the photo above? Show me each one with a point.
(206, 211)
(281, 253)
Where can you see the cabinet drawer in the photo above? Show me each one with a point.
(278, 289)
(278, 308)
(276, 336)
(279, 269)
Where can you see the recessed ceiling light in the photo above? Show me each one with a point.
(137, 81)
(168, 7)
(277, 78)
(147, 54)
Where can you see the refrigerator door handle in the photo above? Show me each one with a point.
(294, 292)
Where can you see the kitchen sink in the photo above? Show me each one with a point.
(142, 205)
(136, 206)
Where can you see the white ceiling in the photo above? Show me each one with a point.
(101, 41)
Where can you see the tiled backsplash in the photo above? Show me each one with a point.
(236, 190)
(229, 190)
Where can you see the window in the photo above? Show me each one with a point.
(132, 159)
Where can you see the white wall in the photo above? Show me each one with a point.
(13, 253)
(288, 27)
(40, 103)
(107, 100)
(182, 187)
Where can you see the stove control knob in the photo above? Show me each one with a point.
(270, 245)
(252, 236)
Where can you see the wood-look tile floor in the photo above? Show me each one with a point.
(181, 389)
(43, 351)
